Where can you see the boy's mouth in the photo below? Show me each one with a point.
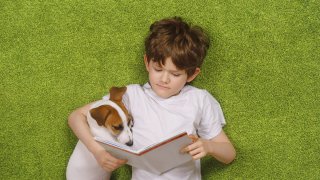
(163, 87)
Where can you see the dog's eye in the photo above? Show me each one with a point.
(119, 128)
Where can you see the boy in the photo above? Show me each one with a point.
(166, 104)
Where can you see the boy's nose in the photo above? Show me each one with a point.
(165, 77)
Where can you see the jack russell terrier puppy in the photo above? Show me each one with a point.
(109, 120)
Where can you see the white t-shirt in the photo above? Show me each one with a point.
(193, 110)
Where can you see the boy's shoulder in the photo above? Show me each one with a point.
(189, 89)
(199, 94)
(134, 87)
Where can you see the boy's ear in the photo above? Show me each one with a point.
(195, 74)
(145, 59)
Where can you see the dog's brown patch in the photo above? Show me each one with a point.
(116, 94)
(108, 117)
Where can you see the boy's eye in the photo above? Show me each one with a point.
(176, 75)
(157, 69)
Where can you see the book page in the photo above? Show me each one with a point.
(116, 145)
(162, 142)
(167, 156)
(156, 158)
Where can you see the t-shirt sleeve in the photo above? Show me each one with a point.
(212, 118)
(106, 97)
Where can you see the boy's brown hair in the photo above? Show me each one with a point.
(186, 45)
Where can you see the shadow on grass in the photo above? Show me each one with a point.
(211, 166)
(122, 173)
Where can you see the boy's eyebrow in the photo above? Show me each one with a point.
(174, 71)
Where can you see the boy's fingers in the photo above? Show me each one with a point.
(198, 156)
(117, 161)
(189, 148)
(111, 165)
(183, 150)
(193, 137)
(122, 161)
(194, 152)
(193, 146)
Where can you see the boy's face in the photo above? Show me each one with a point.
(166, 80)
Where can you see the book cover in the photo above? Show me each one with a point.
(156, 158)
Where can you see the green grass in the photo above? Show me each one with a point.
(263, 67)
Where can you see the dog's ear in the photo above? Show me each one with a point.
(116, 93)
(100, 114)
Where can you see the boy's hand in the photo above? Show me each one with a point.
(107, 161)
(198, 149)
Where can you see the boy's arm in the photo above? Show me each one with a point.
(78, 123)
(219, 147)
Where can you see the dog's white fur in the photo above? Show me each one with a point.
(82, 164)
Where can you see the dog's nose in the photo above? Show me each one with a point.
(130, 143)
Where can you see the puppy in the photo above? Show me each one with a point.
(109, 120)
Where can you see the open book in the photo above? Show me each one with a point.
(156, 158)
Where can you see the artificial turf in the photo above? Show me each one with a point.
(263, 67)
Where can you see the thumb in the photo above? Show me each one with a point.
(193, 137)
